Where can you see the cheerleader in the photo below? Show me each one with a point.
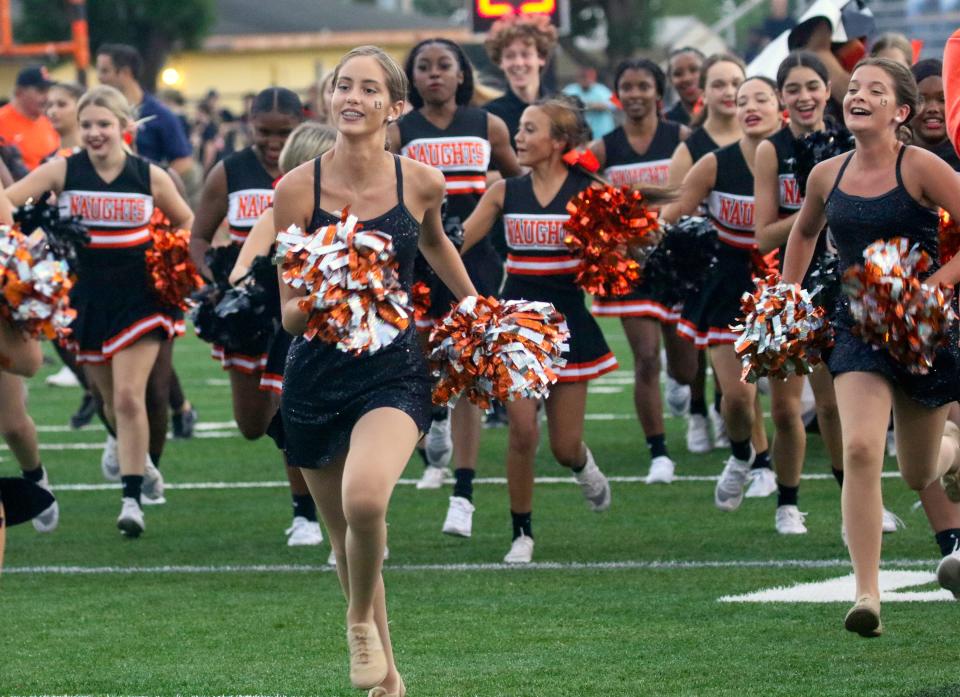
(539, 267)
(352, 422)
(883, 188)
(684, 66)
(638, 153)
(929, 126)
(20, 358)
(240, 189)
(725, 179)
(116, 335)
(462, 142)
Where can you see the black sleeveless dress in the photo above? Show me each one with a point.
(625, 166)
(857, 222)
(326, 391)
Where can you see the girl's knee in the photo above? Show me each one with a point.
(128, 402)
(785, 413)
(569, 454)
(524, 436)
(647, 365)
(364, 510)
(918, 481)
(860, 452)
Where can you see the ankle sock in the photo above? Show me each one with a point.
(787, 495)
(304, 507)
(740, 449)
(698, 406)
(522, 524)
(762, 460)
(657, 445)
(131, 486)
(838, 475)
(34, 475)
(948, 540)
(463, 483)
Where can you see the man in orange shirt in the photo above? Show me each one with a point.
(951, 87)
(22, 121)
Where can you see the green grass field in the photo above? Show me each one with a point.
(210, 601)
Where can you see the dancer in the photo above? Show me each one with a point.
(539, 267)
(638, 153)
(240, 189)
(881, 189)
(351, 422)
(684, 66)
(462, 142)
(725, 178)
(116, 336)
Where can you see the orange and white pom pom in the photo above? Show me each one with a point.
(490, 349)
(949, 237)
(173, 275)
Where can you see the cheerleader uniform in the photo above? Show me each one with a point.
(540, 267)
(707, 316)
(462, 152)
(249, 194)
(857, 222)
(326, 390)
(625, 167)
(113, 296)
(699, 144)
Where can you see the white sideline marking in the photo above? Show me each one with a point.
(535, 566)
(217, 382)
(99, 445)
(604, 389)
(844, 588)
(98, 428)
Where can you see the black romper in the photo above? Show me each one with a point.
(326, 391)
(625, 166)
(857, 222)
(540, 267)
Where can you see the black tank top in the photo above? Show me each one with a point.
(730, 204)
(700, 143)
(534, 233)
(625, 166)
(249, 192)
(117, 214)
(789, 198)
(461, 151)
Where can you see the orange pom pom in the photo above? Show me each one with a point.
(949, 237)
(173, 275)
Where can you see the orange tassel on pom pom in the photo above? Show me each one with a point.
(34, 285)
(173, 275)
(949, 237)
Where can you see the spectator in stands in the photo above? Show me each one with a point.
(596, 98)
(160, 135)
(894, 46)
(23, 122)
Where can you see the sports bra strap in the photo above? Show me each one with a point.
(396, 162)
(843, 168)
(903, 149)
(316, 183)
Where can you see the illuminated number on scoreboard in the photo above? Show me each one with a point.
(486, 12)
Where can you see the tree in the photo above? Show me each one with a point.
(155, 27)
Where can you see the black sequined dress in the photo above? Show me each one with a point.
(857, 222)
(326, 391)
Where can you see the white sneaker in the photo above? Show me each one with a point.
(332, 559)
(63, 378)
(438, 443)
(521, 551)
(790, 521)
(109, 461)
(459, 517)
(48, 520)
(130, 521)
(948, 573)
(728, 494)
(891, 522)
(698, 434)
(594, 485)
(891, 444)
(433, 477)
(763, 483)
(151, 492)
(661, 470)
(677, 397)
(720, 438)
(303, 533)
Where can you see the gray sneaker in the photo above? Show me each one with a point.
(594, 485)
(948, 573)
(151, 493)
(49, 519)
(729, 492)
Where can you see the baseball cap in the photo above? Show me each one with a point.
(34, 76)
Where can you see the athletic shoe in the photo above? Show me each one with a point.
(85, 412)
(728, 494)
(521, 551)
(864, 618)
(303, 533)
(438, 444)
(48, 520)
(594, 485)
(720, 438)
(151, 493)
(948, 573)
(109, 460)
(891, 522)
(763, 483)
(130, 521)
(183, 423)
(790, 521)
(459, 517)
(698, 434)
(368, 662)
(677, 397)
(433, 477)
(63, 378)
(891, 444)
(661, 470)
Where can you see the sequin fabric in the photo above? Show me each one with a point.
(856, 222)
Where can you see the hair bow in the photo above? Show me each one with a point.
(582, 158)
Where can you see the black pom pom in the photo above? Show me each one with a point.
(65, 235)
(684, 257)
(816, 147)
